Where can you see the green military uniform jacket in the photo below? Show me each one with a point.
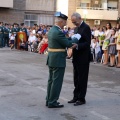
(6, 32)
(15, 30)
(1, 36)
(23, 30)
(57, 40)
(1, 31)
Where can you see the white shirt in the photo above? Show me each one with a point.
(96, 33)
(32, 38)
(12, 37)
(101, 33)
(97, 47)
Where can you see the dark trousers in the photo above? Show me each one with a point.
(16, 42)
(80, 72)
(1, 41)
(101, 49)
(6, 41)
(55, 81)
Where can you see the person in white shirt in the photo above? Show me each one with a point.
(96, 33)
(100, 32)
(96, 46)
(31, 41)
(12, 39)
(101, 35)
(107, 37)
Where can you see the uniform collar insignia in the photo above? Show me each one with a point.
(60, 30)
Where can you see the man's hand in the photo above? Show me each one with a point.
(74, 45)
(78, 36)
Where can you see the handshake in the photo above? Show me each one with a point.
(78, 36)
(70, 51)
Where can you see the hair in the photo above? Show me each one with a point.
(58, 19)
(110, 26)
(77, 15)
(114, 30)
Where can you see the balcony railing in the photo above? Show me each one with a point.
(97, 8)
(98, 13)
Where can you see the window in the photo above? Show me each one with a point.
(112, 4)
(30, 19)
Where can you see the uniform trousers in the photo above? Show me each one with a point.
(1, 41)
(55, 81)
(6, 41)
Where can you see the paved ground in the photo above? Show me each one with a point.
(23, 81)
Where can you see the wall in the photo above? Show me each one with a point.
(11, 16)
(62, 5)
(6, 3)
(45, 5)
(71, 10)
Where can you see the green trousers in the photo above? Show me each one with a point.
(1, 41)
(55, 81)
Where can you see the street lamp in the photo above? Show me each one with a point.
(85, 12)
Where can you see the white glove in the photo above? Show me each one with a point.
(78, 36)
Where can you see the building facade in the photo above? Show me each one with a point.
(28, 11)
(94, 12)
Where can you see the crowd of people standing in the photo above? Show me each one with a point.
(56, 40)
(106, 45)
(105, 40)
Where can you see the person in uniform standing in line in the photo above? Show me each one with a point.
(56, 60)
(15, 30)
(23, 29)
(25, 43)
(1, 34)
(6, 35)
(81, 60)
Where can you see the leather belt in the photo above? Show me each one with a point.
(56, 50)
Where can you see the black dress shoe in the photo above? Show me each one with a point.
(79, 103)
(47, 103)
(55, 106)
(72, 101)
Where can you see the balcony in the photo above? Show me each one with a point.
(6, 3)
(98, 13)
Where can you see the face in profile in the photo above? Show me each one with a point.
(63, 23)
(75, 21)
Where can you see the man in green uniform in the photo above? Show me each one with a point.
(1, 34)
(6, 35)
(25, 43)
(23, 29)
(56, 61)
(15, 30)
